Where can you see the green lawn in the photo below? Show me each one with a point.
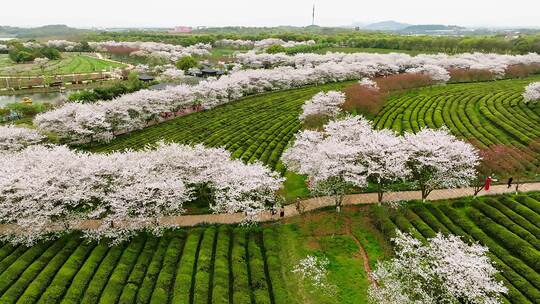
(69, 63)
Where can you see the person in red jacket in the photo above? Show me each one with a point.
(488, 183)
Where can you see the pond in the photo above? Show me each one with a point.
(51, 97)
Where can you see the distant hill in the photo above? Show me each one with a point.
(57, 30)
(427, 28)
(386, 26)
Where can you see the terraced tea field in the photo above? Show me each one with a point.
(254, 128)
(215, 264)
(508, 225)
(491, 115)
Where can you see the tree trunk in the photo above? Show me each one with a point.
(425, 192)
(477, 190)
(380, 193)
(339, 202)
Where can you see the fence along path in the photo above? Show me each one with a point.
(318, 203)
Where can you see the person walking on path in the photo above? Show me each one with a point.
(510, 180)
(282, 212)
(488, 183)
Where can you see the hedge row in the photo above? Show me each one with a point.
(203, 285)
(491, 113)
(239, 264)
(220, 284)
(491, 221)
(184, 273)
(259, 285)
(272, 248)
(165, 281)
(138, 273)
(215, 264)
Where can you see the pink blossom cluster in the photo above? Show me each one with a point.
(348, 152)
(158, 50)
(14, 138)
(445, 270)
(63, 44)
(328, 104)
(261, 44)
(532, 92)
(101, 121)
(49, 188)
(494, 63)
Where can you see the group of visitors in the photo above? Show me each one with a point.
(489, 180)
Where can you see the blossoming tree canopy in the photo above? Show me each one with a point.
(41, 187)
(445, 270)
(439, 160)
(328, 158)
(532, 92)
(14, 138)
(327, 104)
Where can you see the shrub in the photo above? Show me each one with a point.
(34, 288)
(145, 291)
(201, 292)
(363, 100)
(164, 282)
(136, 277)
(184, 274)
(84, 275)
(470, 75)
(257, 273)
(187, 62)
(102, 274)
(220, 288)
(123, 268)
(511, 241)
(239, 262)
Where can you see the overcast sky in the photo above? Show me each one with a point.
(167, 13)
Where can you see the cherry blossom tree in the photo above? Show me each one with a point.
(532, 92)
(314, 270)
(368, 83)
(327, 104)
(437, 159)
(445, 270)
(14, 138)
(329, 158)
(385, 156)
(437, 73)
(103, 120)
(45, 189)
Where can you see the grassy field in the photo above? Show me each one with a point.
(491, 115)
(69, 64)
(214, 264)
(509, 225)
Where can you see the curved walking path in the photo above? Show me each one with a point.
(321, 202)
(353, 199)
(313, 204)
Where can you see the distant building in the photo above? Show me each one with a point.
(182, 29)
